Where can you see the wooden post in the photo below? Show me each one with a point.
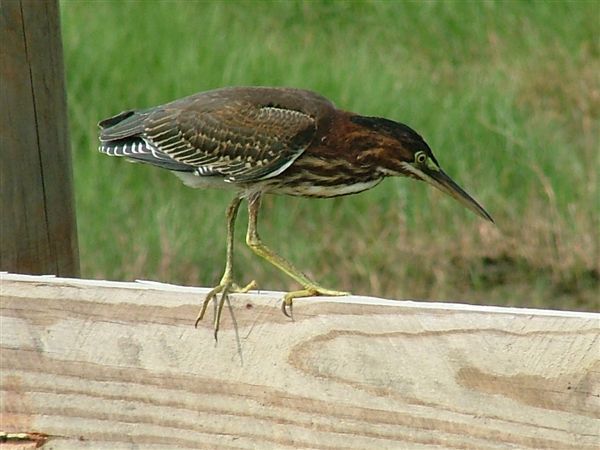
(95, 364)
(37, 215)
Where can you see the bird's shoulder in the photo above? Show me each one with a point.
(232, 99)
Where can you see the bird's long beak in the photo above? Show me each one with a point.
(444, 183)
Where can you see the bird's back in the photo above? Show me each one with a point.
(301, 100)
(239, 134)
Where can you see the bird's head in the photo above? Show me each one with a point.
(396, 149)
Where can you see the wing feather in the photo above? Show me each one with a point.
(242, 134)
(243, 144)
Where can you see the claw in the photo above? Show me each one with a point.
(212, 294)
(285, 304)
(224, 288)
(310, 291)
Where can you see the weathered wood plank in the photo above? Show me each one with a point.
(118, 365)
(36, 199)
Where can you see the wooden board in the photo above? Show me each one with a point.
(102, 365)
(37, 212)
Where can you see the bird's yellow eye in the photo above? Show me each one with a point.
(420, 157)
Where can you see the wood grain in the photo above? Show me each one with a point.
(98, 365)
(37, 216)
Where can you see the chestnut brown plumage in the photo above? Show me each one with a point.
(258, 140)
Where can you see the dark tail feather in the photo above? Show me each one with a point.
(107, 123)
(120, 135)
(123, 125)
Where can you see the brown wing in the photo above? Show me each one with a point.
(243, 134)
(241, 142)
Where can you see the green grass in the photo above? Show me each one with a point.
(506, 93)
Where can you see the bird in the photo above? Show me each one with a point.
(272, 140)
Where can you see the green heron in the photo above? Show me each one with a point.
(258, 140)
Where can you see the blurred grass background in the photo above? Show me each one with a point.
(506, 93)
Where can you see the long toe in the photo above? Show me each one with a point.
(329, 293)
(225, 287)
(310, 291)
(211, 295)
(242, 290)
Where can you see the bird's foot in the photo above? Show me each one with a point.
(308, 291)
(225, 287)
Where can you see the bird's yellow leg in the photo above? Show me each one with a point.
(254, 242)
(226, 285)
